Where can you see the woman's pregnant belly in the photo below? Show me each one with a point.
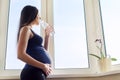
(40, 54)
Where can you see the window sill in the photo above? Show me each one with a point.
(67, 76)
(97, 74)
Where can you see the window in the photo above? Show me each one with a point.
(110, 17)
(14, 16)
(70, 34)
(67, 17)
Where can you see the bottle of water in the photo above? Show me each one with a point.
(44, 24)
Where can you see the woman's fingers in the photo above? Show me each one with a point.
(47, 69)
(49, 30)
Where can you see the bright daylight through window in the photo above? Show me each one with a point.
(70, 34)
(111, 26)
(70, 39)
(13, 22)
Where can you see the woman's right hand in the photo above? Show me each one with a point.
(49, 29)
(47, 69)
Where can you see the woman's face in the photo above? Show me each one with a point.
(37, 19)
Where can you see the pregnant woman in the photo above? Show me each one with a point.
(30, 49)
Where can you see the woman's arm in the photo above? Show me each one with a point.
(46, 42)
(22, 45)
(22, 55)
(47, 35)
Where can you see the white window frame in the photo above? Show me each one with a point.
(94, 30)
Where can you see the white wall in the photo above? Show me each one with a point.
(109, 77)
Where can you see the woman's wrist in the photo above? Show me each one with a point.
(47, 36)
(41, 66)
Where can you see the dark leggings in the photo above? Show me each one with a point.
(32, 73)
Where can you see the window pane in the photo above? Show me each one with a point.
(70, 34)
(14, 15)
(110, 10)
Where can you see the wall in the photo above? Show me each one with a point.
(108, 77)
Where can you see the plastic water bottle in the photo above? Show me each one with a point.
(44, 24)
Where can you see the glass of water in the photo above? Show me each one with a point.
(44, 24)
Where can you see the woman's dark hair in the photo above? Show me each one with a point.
(28, 14)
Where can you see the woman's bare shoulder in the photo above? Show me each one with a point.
(25, 29)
